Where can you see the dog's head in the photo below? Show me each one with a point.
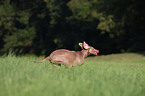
(91, 50)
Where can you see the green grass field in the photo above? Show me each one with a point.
(106, 75)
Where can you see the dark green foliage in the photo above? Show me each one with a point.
(129, 19)
(41, 26)
(16, 32)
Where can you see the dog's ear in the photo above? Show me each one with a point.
(81, 45)
(86, 46)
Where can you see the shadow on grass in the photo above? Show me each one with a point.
(141, 53)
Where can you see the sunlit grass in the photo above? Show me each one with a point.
(106, 75)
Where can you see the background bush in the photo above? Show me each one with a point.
(41, 26)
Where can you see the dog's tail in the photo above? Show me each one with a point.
(42, 60)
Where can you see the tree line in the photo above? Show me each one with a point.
(41, 26)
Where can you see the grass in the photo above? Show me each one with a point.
(106, 75)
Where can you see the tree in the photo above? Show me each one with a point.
(16, 32)
(129, 18)
(41, 26)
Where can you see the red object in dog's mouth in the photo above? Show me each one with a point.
(96, 51)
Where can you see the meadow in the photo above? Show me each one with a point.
(105, 75)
